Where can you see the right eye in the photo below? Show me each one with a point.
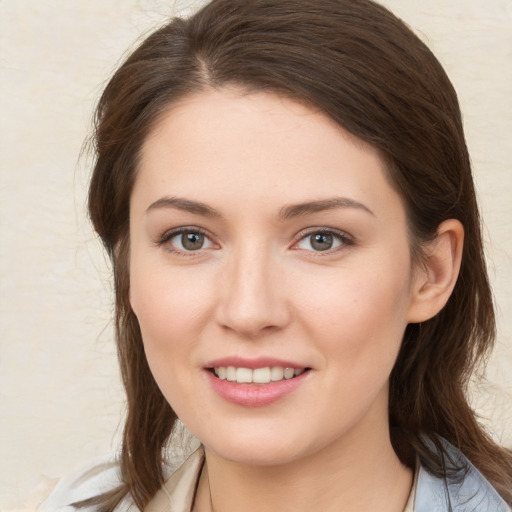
(186, 240)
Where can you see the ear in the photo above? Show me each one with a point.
(436, 275)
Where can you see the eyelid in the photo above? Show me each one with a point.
(168, 235)
(345, 239)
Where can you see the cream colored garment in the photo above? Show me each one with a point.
(176, 495)
(409, 507)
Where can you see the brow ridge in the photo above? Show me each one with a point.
(186, 205)
(285, 213)
(297, 210)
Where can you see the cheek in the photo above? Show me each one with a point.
(169, 305)
(357, 314)
(357, 325)
(174, 306)
(171, 310)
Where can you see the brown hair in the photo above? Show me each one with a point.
(367, 70)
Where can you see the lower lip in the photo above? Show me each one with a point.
(255, 395)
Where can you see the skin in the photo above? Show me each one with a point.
(258, 287)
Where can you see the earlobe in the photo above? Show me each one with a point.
(436, 278)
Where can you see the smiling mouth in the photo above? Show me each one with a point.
(263, 375)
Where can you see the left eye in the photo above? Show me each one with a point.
(321, 241)
(190, 241)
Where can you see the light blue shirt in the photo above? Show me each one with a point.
(468, 491)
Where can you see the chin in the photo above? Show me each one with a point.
(255, 455)
(262, 447)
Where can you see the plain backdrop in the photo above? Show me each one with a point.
(60, 396)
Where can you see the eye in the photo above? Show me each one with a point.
(324, 240)
(186, 240)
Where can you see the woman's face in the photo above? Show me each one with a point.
(270, 273)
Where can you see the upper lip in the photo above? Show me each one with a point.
(252, 363)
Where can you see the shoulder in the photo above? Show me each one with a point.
(467, 491)
(102, 476)
(92, 480)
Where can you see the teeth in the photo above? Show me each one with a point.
(258, 375)
(243, 375)
(261, 375)
(276, 373)
(231, 373)
(289, 373)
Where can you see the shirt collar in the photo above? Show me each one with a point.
(178, 491)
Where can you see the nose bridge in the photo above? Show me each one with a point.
(252, 298)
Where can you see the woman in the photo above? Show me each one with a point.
(286, 195)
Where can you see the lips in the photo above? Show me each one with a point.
(255, 382)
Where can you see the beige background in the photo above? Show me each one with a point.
(60, 397)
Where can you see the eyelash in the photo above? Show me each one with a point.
(169, 235)
(343, 238)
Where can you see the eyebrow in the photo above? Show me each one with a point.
(185, 205)
(285, 213)
(297, 210)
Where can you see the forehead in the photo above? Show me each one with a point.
(223, 145)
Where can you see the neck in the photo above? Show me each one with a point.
(356, 473)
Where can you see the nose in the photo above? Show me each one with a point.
(253, 295)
